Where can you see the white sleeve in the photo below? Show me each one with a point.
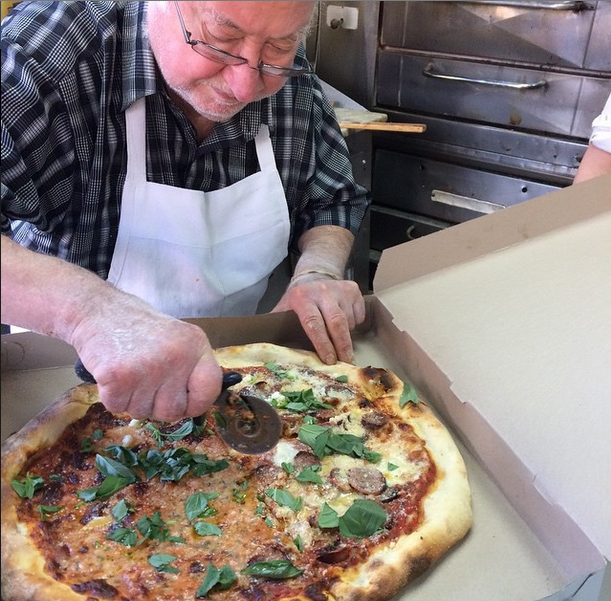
(601, 128)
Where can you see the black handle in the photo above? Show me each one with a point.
(230, 378)
(83, 373)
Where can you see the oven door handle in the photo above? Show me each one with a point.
(567, 5)
(428, 72)
(465, 202)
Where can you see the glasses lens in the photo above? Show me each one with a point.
(220, 56)
(216, 54)
(284, 71)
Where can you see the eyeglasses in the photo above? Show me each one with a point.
(221, 56)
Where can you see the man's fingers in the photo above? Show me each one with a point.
(204, 385)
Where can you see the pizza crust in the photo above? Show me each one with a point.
(23, 574)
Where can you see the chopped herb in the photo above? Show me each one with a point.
(392, 466)
(156, 529)
(363, 518)
(112, 467)
(178, 434)
(324, 441)
(285, 498)
(342, 379)
(298, 543)
(161, 562)
(276, 570)
(328, 517)
(238, 493)
(300, 401)
(28, 486)
(120, 510)
(196, 505)
(207, 529)
(47, 510)
(86, 445)
(216, 579)
(309, 474)
(109, 486)
(280, 373)
(289, 468)
(409, 395)
(125, 536)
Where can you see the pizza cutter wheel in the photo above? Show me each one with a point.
(246, 423)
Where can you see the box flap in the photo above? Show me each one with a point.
(491, 233)
(514, 308)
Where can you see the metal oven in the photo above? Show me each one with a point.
(507, 90)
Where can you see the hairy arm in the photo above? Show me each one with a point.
(146, 363)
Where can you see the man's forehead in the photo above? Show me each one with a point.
(283, 19)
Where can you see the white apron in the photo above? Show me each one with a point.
(198, 254)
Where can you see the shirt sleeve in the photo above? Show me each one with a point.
(601, 128)
(323, 190)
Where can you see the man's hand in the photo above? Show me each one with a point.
(328, 310)
(147, 364)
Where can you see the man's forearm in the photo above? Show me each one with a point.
(325, 250)
(43, 293)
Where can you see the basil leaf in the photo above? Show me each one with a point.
(309, 474)
(178, 434)
(28, 486)
(316, 437)
(218, 579)
(328, 517)
(277, 570)
(125, 536)
(363, 518)
(109, 487)
(207, 529)
(123, 455)
(47, 510)
(409, 395)
(195, 505)
(161, 562)
(285, 498)
(120, 510)
(111, 467)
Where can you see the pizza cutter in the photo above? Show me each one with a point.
(246, 423)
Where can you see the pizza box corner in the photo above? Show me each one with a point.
(503, 324)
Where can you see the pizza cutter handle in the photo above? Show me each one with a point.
(83, 373)
(230, 378)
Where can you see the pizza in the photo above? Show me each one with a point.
(363, 493)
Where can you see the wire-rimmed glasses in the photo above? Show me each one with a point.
(217, 55)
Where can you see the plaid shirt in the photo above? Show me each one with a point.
(69, 72)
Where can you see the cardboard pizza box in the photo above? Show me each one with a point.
(503, 324)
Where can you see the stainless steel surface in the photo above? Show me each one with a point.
(507, 91)
(429, 72)
(527, 34)
(565, 105)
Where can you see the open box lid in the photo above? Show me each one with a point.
(514, 308)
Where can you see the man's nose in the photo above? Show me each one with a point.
(246, 82)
